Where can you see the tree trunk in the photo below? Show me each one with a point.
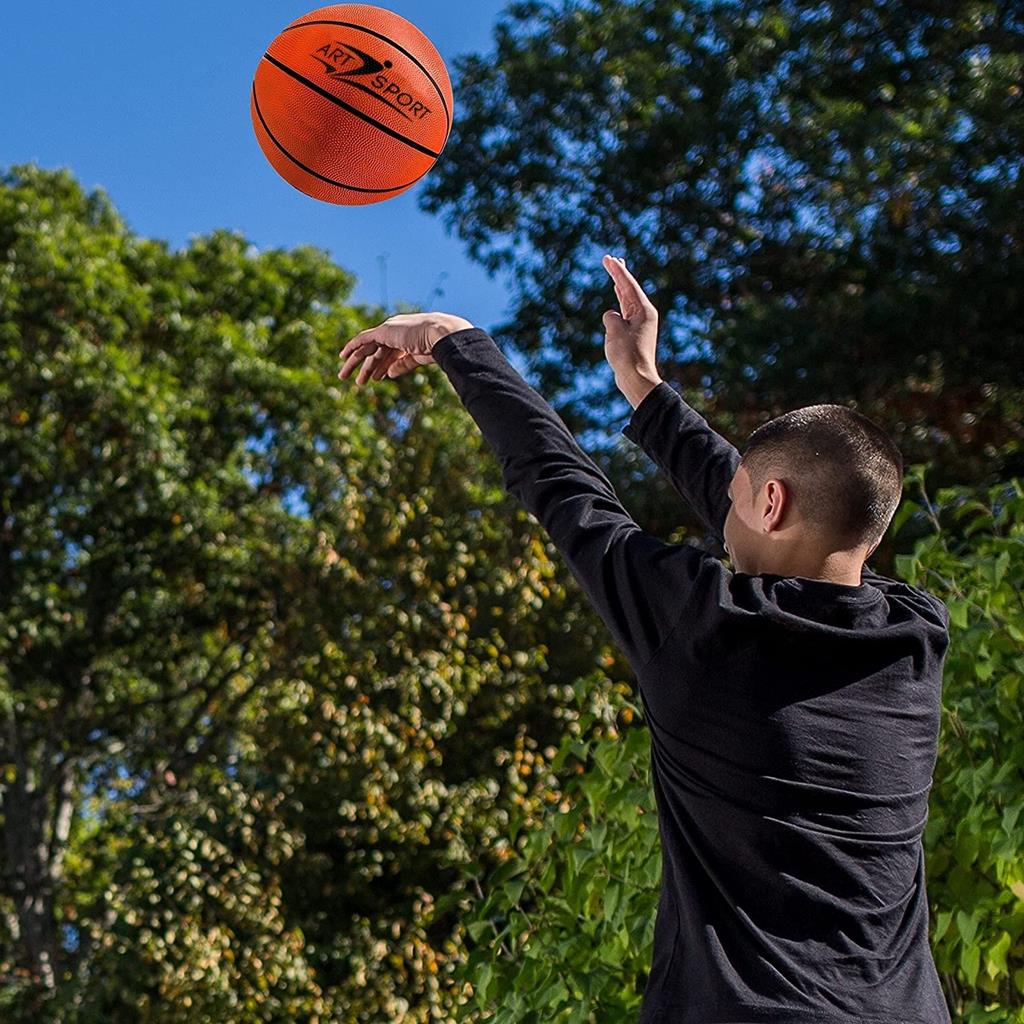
(38, 806)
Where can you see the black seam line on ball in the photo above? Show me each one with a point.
(397, 46)
(309, 170)
(352, 110)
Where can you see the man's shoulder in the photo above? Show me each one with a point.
(930, 606)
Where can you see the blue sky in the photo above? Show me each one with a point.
(151, 102)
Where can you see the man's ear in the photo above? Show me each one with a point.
(777, 498)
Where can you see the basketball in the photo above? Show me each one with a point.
(351, 104)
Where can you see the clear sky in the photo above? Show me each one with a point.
(151, 102)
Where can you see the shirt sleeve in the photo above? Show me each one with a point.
(699, 462)
(638, 584)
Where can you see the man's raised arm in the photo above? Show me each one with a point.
(639, 585)
(699, 462)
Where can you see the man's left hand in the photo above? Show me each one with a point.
(398, 345)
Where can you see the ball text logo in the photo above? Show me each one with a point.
(343, 63)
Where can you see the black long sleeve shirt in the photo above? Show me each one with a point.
(793, 723)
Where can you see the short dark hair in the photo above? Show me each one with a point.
(842, 470)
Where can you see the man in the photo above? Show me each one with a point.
(793, 702)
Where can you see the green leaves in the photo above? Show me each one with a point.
(279, 632)
(967, 925)
(588, 876)
(970, 961)
(958, 612)
(995, 956)
(976, 849)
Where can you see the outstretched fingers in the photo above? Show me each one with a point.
(379, 363)
(356, 352)
(378, 335)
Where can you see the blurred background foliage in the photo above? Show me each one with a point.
(822, 199)
(301, 717)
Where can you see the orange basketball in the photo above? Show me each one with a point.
(351, 104)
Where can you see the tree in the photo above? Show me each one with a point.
(822, 199)
(145, 559)
(265, 644)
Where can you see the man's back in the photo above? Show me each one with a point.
(794, 728)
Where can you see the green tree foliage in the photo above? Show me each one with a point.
(975, 837)
(562, 930)
(823, 201)
(268, 646)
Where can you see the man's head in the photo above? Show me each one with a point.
(813, 495)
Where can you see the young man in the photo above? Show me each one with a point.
(793, 702)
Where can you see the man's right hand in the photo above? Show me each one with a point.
(631, 334)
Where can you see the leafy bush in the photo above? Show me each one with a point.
(566, 924)
(974, 842)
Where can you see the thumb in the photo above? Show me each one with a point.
(611, 319)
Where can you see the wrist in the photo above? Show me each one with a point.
(444, 324)
(637, 386)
